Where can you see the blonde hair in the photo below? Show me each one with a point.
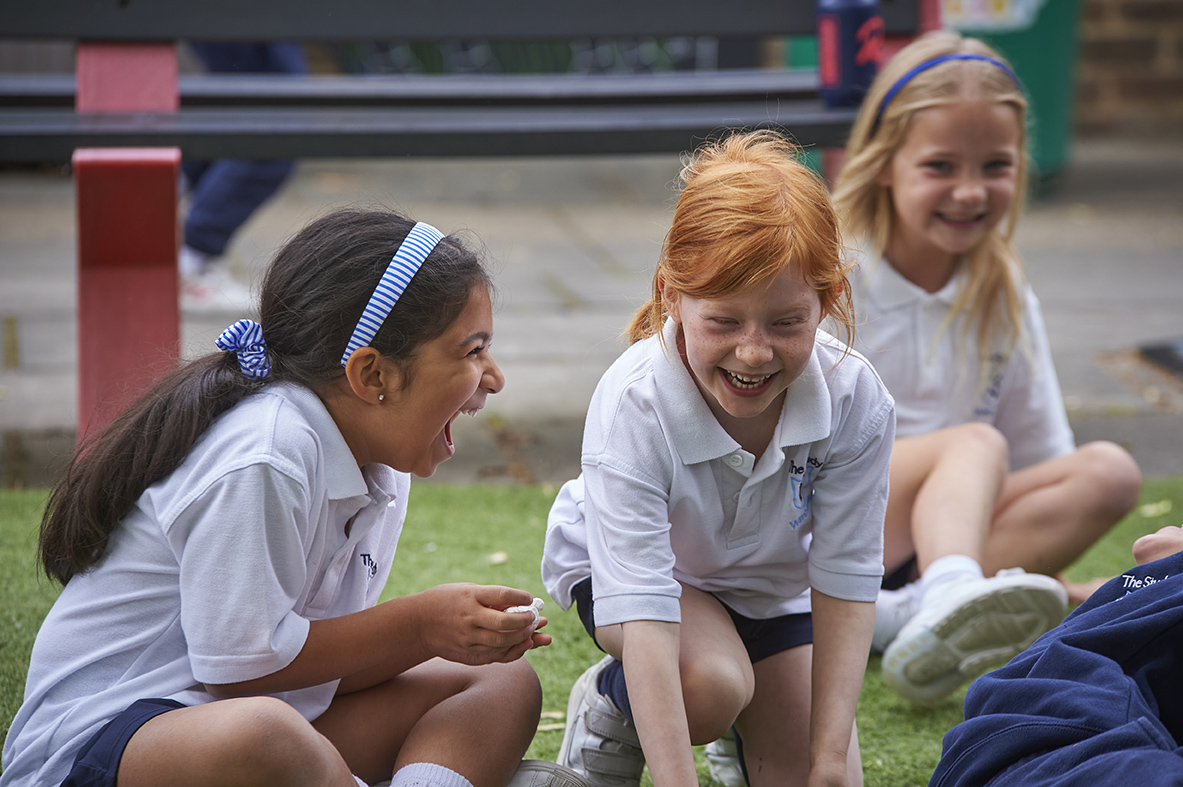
(993, 294)
(748, 210)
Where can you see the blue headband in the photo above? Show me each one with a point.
(402, 268)
(245, 338)
(936, 61)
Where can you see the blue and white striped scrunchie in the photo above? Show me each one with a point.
(245, 337)
(406, 262)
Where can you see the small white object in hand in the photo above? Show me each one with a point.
(534, 606)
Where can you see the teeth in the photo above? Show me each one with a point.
(744, 381)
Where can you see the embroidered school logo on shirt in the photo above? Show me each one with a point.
(992, 391)
(1130, 582)
(802, 481)
(371, 566)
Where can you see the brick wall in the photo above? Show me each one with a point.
(1130, 67)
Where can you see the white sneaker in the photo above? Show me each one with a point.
(723, 761)
(215, 290)
(599, 742)
(538, 773)
(979, 625)
(893, 609)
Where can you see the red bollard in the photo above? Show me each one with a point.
(128, 315)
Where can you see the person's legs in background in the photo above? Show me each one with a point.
(223, 194)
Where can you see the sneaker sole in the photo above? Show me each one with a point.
(984, 633)
(539, 773)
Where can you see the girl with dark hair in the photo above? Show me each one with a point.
(223, 545)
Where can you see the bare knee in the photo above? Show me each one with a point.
(514, 689)
(271, 742)
(714, 695)
(1113, 475)
(985, 441)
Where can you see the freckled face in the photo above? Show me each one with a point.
(744, 350)
(952, 181)
(453, 373)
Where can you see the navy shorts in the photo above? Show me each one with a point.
(97, 764)
(762, 638)
(897, 578)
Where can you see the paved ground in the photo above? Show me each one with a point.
(573, 242)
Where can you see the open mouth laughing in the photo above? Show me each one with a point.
(746, 382)
(468, 409)
(962, 221)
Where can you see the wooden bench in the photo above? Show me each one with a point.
(126, 118)
(256, 116)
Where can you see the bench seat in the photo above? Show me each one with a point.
(279, 116)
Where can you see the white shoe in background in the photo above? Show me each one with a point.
(976, 626)
(215, 289)
(723, 761)
(893, 610)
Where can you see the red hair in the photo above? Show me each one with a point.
(748, 210)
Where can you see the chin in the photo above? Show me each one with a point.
(427, 469)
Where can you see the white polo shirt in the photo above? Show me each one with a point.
(933, 375)
(666, 495)
(212, 578)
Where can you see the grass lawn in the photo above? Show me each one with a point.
(494, 535)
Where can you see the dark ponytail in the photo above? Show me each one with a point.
(314, 291)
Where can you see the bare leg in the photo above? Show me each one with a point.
(774, 727)
(943, 490)
(1049, 514)
(716, 674)
(248, 741)
(477, 721)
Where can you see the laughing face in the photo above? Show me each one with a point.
(744, 350)
(952, 181)
(453, 374)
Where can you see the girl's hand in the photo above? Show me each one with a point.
(467, 623)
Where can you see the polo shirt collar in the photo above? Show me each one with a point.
(343, 478)
(884, 285)
(695, 432)
(806, 415)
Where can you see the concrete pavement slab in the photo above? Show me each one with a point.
(572, 242)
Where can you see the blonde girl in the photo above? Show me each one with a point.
(985, 475)
(722, 544)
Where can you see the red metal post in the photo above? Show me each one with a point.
(126, 198)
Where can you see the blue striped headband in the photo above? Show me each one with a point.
(402, 268)
(936, 61)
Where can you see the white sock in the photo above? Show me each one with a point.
(428, 774)
(943, 571)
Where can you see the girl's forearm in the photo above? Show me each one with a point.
(460, 622)
(363, 648)
(841, 641)
(650, 656)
